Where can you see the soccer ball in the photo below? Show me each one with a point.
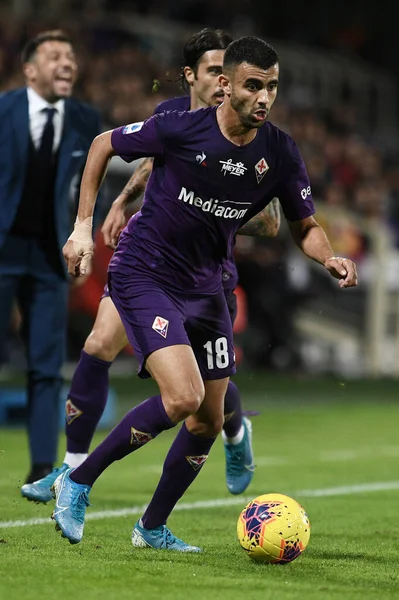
(273, 528)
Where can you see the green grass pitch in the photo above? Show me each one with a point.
(333, 446)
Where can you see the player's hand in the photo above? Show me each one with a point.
(342, 269)
(79, 248)
(114, 222)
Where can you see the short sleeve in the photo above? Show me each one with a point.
(137, 140)
(294, 191)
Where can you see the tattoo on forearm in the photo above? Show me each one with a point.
(136, 184)
(264, 224)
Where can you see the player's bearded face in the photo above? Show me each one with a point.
(52, 71)
(252, 93)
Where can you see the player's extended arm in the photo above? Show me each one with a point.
(312, 240)
(78, 249)
(266, 223)
(116, 217)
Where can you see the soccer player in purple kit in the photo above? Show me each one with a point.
(203, 59)
(167, 267)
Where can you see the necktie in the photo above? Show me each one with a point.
(46, 144)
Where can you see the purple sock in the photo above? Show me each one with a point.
(182, 465)
(139, 426)
(232, 410)
(86, 402)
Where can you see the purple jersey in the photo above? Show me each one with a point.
(201, 190)
(229, 269)
(178, 103)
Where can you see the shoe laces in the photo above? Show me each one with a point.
(79, 503)
(236, 459)
(167, 537)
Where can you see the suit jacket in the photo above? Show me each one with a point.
(81, 125)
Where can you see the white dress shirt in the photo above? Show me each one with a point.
(38, 118)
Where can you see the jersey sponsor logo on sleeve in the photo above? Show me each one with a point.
(261, 168)
(305, 192)
(197, 461)
(71, 411)
(139, 438)
(133, 127)
(232, 168)
(160, 325)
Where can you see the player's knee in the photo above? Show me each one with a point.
(210, 429)
(185, 402)
(101, 346)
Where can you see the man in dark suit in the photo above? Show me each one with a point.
(45, 136)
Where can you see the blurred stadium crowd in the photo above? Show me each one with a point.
(351, 174)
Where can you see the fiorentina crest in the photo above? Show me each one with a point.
(139, 438)
(197, 461)
(71, 412)
(160, 325)
(261, 168)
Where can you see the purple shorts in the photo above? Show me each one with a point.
(154, 318)
(231, 300)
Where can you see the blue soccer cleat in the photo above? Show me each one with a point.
(160, 538)
(240, 461)
(39, 491)
(71, 501)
